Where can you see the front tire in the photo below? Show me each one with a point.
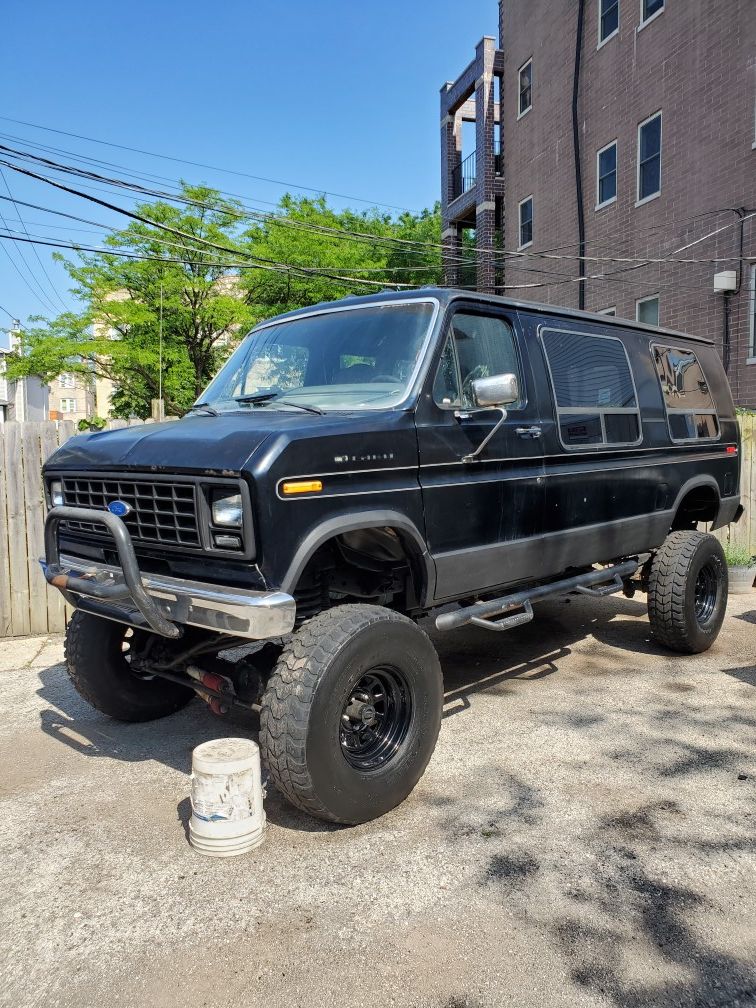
(351, 713)
(687, 592)
(98, 653)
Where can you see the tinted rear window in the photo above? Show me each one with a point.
(593, 387)
(690, 407)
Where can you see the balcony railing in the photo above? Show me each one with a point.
(464, 176)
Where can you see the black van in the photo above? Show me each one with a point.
(358, 465)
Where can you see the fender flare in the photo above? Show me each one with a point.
(332, 527)
(694, 483)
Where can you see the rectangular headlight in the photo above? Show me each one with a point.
(227, 509)
(56, 494)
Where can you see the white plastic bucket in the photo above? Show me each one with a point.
(228, 817)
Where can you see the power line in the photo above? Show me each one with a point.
(10, 316)
(199, 164)
(316, 272)
(639, 262)
(34, 248)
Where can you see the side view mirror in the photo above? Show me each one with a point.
(496, 390)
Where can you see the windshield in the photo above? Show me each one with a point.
(356, 358)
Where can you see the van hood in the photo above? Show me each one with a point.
(211, 445)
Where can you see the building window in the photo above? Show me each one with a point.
(649, 10)
(691, 413)
(525, 74)
(608, 19)
(594, 389)
(647, 310)
(649, 157)
(67, 405)
(526, 222)
(606, 175)
(752, 314)
(609, 311)
(67, 380)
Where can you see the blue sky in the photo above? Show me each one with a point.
(340, 96)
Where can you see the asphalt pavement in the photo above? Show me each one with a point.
(585, 835)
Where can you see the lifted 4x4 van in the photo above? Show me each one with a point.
(358, 465)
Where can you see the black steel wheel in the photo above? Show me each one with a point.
(687, 591)
(706, 592)
(351, 713)
(99, 655)
(375, 719)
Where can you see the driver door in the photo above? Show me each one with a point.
(480, 515)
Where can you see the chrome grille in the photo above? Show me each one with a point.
(161, 512)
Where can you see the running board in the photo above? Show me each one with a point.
(601, 582)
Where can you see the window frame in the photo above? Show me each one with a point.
(520, 110)
(592, 410)
(640, 301)
(610, 311)
(640, 200)
(520, 245)
(448, 336)
(652, 17)
(72, 401)
(599, 152)
(603, 41)
(654, 344)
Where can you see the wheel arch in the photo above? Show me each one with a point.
(698, 499)
(423, 571)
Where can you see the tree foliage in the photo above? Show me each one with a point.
(206, 301)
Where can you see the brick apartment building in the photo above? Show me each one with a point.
(615, 129)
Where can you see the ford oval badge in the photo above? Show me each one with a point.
(119, 508)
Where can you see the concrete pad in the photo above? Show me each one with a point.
(585, 835)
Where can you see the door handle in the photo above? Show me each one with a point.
(528, 432)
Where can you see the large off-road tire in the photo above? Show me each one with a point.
(687, 591)
(351, 713)
(98, 656)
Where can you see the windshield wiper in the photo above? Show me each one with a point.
(206, 408)
(268, 398)
(255, 397)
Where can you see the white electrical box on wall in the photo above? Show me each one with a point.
(725, 282)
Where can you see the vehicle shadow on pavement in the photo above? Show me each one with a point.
(474, 659)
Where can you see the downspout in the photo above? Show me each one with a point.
(576, 151)
(726, 347)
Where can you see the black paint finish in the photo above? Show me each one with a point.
(527, 510)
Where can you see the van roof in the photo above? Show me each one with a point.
(448, 294)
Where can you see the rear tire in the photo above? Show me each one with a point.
(97, 658)
(351, 713)
(687, 592)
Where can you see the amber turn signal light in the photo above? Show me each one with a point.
(302, 486)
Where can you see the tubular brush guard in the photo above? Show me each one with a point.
(128, 587)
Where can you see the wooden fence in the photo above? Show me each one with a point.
(28, 606)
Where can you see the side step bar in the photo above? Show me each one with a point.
(601, 582)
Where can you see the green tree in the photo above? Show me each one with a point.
(368, 246)
(116, 335)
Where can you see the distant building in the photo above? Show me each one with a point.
(611, 130)
(26, 399)
(72, 397)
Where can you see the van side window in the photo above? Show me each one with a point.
(690, 408)
(485, 346)
(446, 386)
(594, 390)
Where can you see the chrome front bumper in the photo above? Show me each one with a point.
(152, 601)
